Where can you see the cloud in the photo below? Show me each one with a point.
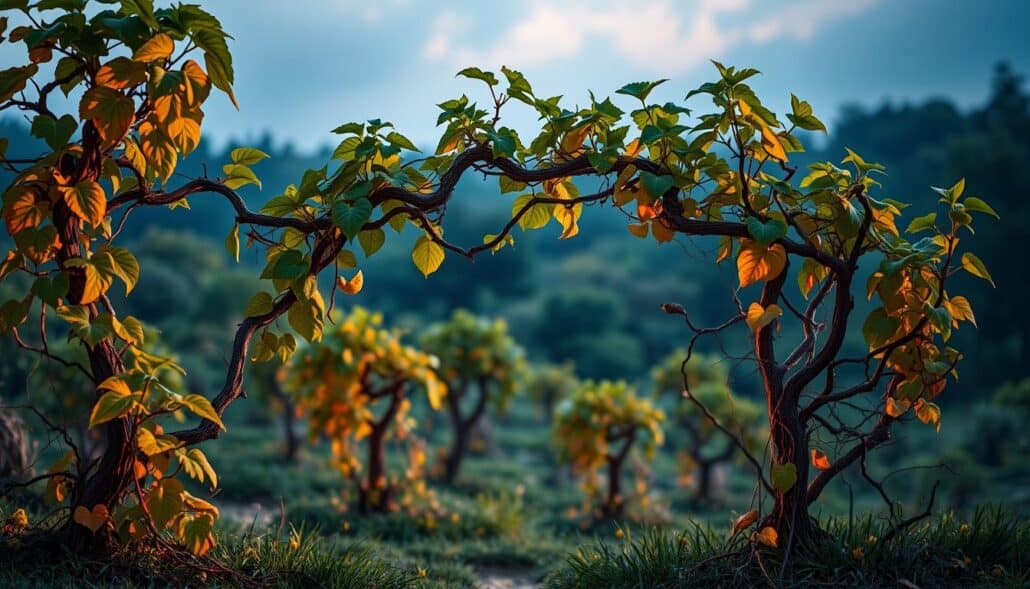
(671, 37)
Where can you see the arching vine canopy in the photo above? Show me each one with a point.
(138, 79)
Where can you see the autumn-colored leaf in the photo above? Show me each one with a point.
(352, 286)
(93, 519)
(744, 521)
(820, 460)
(756, 262)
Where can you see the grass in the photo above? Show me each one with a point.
(240, 559)
(515, 509)
(987, 551)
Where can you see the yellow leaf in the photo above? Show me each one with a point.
(960, 309)
(93, 519)
(768, 536)
(200, 406)
(19, 518)
(427, 255)
(897, 407)
(157, 48)
(87, 200)
(757, 262)
(110, 405)
(568, 217)
(745, 520)
(819, 460)
(758, 317)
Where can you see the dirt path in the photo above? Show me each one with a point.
(507, 578)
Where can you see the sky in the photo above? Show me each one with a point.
(305, 66)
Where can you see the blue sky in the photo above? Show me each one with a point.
(305, 66)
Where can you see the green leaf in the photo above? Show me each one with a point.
(51, 290)
(111, 405)
(56, 133)
(199, 405)
(518, 86)
(879, 327)
(305, 317)
(371, 241)
(238, 175)
(117, 261)
(289, 265)
(478, 74)
(922, 223)
(975, 266)
(247, 156)
(640, 90)
(784, 476)
(537, 216)
(656, 186)
(350, 217)
(979, 205)
(427, 255)
(350, 128)
(260, 304)
(768, 232)
(232, 243)
(395, 138)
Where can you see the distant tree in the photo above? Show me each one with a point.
(480, 363)
(356, 386)
(599, 425)
(550, 383)
(709, 384)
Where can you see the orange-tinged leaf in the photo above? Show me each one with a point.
(820, 460)
(638, 229)
(662, 234)
(929, 413)
(111, 111)
(897, 407)
(646, 212)
(757, 262)
(772, 145)
(744, 521)
(768, 536)
(23, 209)
(157, 48)
(352, 286)
(121, 73)
(93, 519)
